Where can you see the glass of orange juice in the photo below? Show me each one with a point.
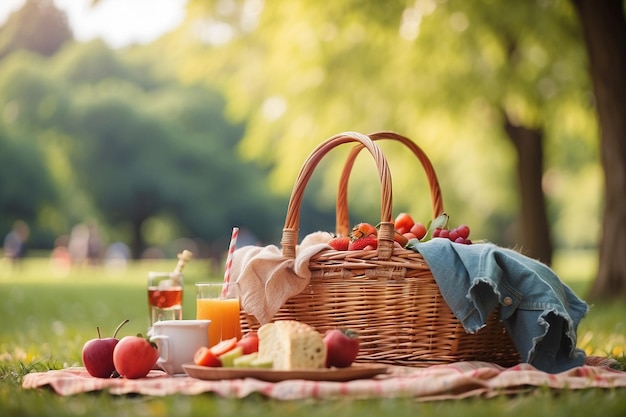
(219, 302)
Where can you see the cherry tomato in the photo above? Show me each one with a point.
(342, 347)
(403, 223)
(419, 230)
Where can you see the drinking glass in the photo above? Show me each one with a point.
(165, 296)
(219, 302)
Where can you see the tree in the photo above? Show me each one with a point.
(25, 186)
(456, 77)
(604, 27)
(39, 26)
(30, 101)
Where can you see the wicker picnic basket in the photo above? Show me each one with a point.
(387, 295)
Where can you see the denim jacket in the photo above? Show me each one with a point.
(540, 313)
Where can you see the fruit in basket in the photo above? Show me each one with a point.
(134, 356)
(339, 242)
(419, 230)
(97, 354)
(402, 239)
(342, 347)
(409, 228)
(363, 230)
(459, 234)
(368, 242)
(403, 223)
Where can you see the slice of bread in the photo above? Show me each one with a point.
(291, 344)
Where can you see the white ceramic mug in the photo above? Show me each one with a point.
(178, 341)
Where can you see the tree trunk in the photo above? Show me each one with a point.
(536, 242)
(604, 27)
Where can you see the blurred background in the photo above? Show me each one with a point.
(134, 129)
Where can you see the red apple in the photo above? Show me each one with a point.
(98, 354)
(134, 356)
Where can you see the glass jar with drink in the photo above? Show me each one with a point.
(165, 296)
(219, 302)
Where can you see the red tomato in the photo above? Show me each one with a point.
(249, 342)
(342, 347)
(205, 357)
(224, 346)
(134, 356)
(419, 230)
(403, 223)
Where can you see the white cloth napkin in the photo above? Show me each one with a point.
(267, 279)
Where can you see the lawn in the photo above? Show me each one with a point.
(48, 315)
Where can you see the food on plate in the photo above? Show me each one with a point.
(205, 357)
(97, 354)
(342, 347)
(227, 351)
(228, 359)
(252, 360)
(284, 345)
(291, 344)
(249, 342)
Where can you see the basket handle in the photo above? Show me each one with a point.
(292, 221)
(343, 219)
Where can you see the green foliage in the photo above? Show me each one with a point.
(442, 73)
(126, 148)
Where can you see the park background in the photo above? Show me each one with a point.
(168, 142)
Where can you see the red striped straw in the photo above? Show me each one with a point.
(229, 260)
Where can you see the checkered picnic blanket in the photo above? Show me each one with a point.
(439, 382)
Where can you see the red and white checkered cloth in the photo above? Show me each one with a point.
(458, 380)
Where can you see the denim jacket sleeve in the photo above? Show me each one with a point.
(540, 312)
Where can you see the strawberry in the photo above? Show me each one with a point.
(363, 242)
(339, 242)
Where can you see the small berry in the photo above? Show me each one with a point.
(463, 230)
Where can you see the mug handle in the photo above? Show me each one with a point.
(162, 342)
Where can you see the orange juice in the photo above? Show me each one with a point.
(224, 316)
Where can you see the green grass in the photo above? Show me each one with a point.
(46, 316)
